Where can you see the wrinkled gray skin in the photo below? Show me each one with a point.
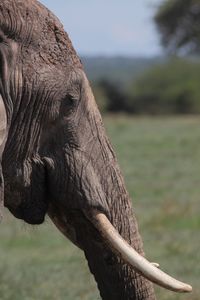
(57, 159)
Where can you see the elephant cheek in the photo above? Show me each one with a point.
(25, 191)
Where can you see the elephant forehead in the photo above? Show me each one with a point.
(30, 23)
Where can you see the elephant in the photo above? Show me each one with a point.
(56, 159)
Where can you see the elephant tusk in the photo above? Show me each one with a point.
(133, 258)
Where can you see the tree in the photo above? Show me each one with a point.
(179, 24)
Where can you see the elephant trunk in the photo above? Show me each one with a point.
(116, 280)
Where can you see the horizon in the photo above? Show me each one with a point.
(133, 56)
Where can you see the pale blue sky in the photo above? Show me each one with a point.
(109, 27)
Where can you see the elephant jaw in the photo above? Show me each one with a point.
(134, 259)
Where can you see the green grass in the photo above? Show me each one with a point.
(160, 159)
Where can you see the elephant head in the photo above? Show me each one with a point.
(56, 158)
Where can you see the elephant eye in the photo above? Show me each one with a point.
(69, 104)
(72, 100)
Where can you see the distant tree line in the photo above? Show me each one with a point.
(169, 88)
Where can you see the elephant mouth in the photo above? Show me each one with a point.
(31, 212)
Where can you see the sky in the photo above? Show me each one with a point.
(109, 27)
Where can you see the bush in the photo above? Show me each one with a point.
(172, 87)
(110, 96)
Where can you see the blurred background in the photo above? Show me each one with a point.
(142, 59)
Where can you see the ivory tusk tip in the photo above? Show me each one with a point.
(186, 289)
(182, 287)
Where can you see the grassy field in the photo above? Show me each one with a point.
(160, 159)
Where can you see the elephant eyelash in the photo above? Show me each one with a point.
(71, 99)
